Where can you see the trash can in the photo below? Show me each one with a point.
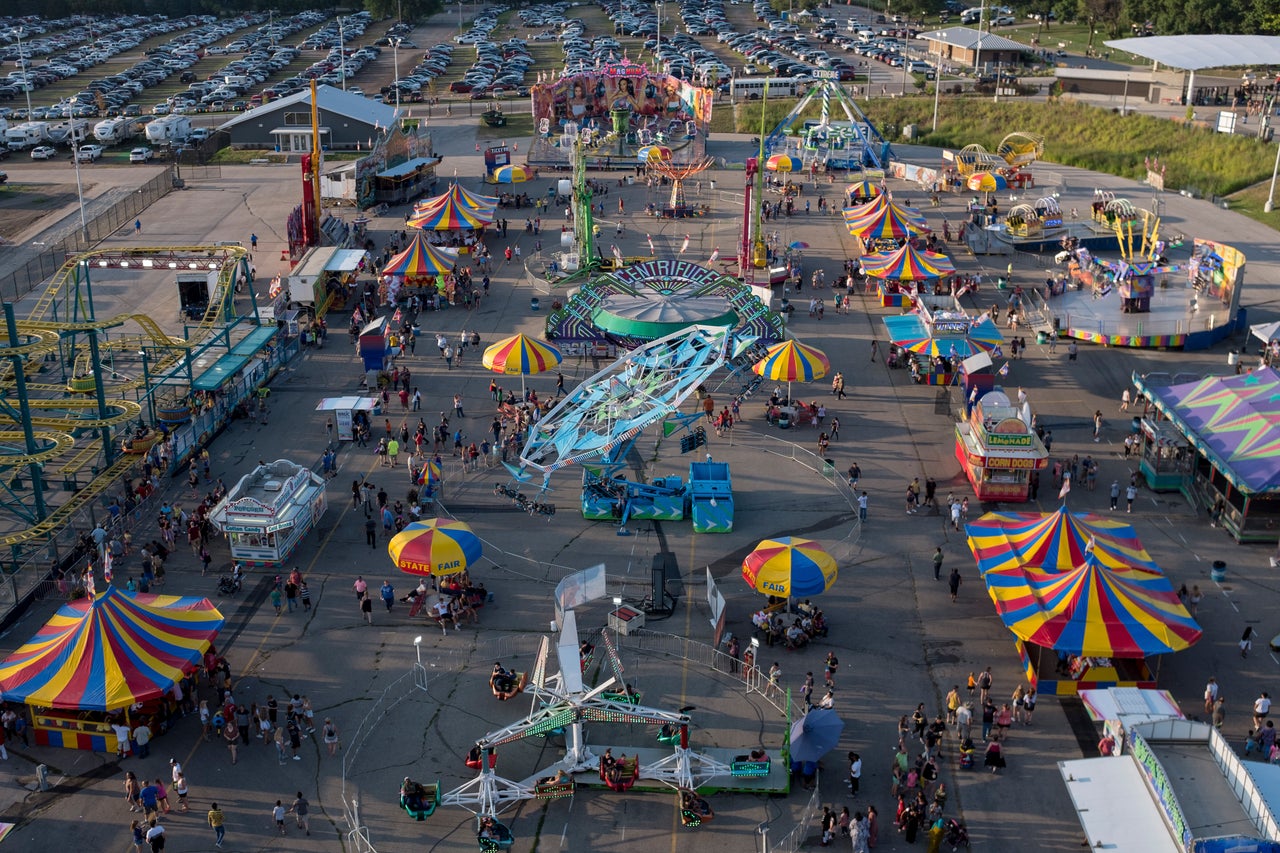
(1232, 358)
(1219, 571)
(828, 468)
(42, 776)
(1135, 425)
(534, 304)
(1041, 337)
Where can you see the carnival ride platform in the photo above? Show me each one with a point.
(1177, 314)
(775, 782)
(546, 152)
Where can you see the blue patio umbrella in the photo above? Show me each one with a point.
(815, 734)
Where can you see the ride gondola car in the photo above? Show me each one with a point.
(418, 800)
(493, 836)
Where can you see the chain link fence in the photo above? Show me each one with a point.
(24, 277)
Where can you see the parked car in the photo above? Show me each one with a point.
(4, 177)
(44, 152)
(141, 155)
(89, 153)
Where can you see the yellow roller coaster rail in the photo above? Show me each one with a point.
(59, 443)
(61, 516)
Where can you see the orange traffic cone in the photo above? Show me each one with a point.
(284, 254)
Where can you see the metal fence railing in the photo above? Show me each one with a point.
(24, 277)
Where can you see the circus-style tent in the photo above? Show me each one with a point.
(109, 653)
(1093, 610)
(458, 209)
(1054, 542)
(882, 219)
(907, 264)
(420, 259)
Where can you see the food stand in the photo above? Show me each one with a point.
(998, 450)
(266, 513)
(347, 411)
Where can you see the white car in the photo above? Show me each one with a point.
(43, 152)
(89, 153)
(141, 155)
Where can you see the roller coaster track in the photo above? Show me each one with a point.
(41, 335)
(63, 514)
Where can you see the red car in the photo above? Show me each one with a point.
(459, 86)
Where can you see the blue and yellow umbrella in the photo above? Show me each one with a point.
(430, 473)
(987, 182)
(511, 174)
(794, 362)
(789, 566)
(437, 547)
(653, 153)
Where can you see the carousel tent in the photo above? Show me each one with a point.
(910, 332)
(1233, 420)
(110, 653)
(882, 219)
(1054, 542)
(420, 258)
(1093, 610)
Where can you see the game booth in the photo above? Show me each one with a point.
(456, 217)
(266, 514)
(1231, 425)
(103, 664)
(998, 451)
(348, 412)
(1087, 605)
(938, 341)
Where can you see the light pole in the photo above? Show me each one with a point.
(26, 79)
(342, 53)
(146, 383)
(75, 158)
(937, 88)
(395, 55)
(1271, 195)
(657, 51)
(1124, 104)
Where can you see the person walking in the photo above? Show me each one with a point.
(216, 819)
(1115, 493)
(953, 581)
(862, 507)
(155, 836)
(1130, 492)
(231, 734)
(300, 809)
(937, 563)
(388, 594)
(855, 773)
(366, 608)
(277, 814)
(330, 735)
(1097, 425)
(1124, 400)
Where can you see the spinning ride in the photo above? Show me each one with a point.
(563, 701)
(677, 207)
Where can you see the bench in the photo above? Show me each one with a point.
(259, 161)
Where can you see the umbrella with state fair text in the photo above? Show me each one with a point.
(437, 547)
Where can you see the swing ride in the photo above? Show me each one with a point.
(563, 703)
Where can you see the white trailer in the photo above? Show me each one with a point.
(29, 134)
(112, 130)
(168, 129)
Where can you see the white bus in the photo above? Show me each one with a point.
(752, 88)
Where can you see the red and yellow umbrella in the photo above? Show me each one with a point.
(789, 566)
(436, 547)
(794, 362)
(520, 355)
(783, 163)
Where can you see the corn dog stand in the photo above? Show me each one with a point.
(267, 513)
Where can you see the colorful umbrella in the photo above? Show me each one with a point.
(884, 220)
(437, 547)
(907, 264)
(1054, 542)
(783, 163)
(910, 332)
(986, 182)
(110, 653)
(789, 567)
(1093, 610)
(511, 174)
(420, 259)
(520, 354)
(794, 362)
(862, 190)
(653, 153)
(797, 244)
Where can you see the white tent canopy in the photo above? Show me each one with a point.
(1266, 332)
